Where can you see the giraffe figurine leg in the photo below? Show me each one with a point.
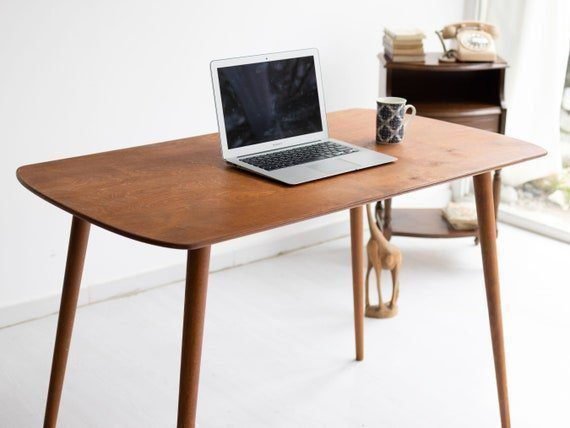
(368, 269)
(395, 289)
(378, 272)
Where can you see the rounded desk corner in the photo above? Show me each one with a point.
(540, 151)
(20, 176)
(19, 173)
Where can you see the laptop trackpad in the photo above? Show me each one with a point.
(334, 165)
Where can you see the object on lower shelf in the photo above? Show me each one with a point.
(461, 215)
(381, 255)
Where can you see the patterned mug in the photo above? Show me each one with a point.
(390, 122)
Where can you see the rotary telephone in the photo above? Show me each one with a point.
(473, 41)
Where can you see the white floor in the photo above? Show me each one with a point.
(278, 349)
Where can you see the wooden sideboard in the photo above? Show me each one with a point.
(470, 94)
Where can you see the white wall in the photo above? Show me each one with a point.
(86, 76)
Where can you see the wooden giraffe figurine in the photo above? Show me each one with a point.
(381, 255)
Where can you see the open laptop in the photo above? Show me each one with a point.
(272, 119)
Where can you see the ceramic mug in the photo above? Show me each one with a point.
(390, 121)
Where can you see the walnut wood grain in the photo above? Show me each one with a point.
(181, 194)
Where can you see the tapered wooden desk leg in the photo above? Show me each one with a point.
(487, 237)
(357, 249)
(192, 333)
(71, 282)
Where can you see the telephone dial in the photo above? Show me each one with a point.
(472, 41)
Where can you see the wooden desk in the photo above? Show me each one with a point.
(181, 194)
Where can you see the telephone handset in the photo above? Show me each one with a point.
(472, 41)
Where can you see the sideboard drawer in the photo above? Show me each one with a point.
(487, 122)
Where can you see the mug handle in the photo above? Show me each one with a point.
(409, 119)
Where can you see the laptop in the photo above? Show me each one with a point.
(272, 119)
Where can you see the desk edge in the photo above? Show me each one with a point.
(201, 244)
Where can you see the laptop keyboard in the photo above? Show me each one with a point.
(299, 155)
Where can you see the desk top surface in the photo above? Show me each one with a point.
(181, 193)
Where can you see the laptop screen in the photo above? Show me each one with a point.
(269, 101)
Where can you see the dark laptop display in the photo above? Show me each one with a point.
(269, 101)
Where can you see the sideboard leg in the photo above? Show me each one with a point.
(387, 226)
(497, 182)
(78, 239)
(487, 238)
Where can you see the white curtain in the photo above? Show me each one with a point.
(534, 39)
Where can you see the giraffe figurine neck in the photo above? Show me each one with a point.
(374, 229)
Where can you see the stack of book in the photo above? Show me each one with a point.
(461, 215)
(404, 45)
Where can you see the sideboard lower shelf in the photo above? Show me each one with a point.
(424, 222)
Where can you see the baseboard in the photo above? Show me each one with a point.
(253, 250)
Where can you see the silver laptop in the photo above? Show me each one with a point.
(272, 119)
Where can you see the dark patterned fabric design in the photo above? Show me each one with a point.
(390, 123)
